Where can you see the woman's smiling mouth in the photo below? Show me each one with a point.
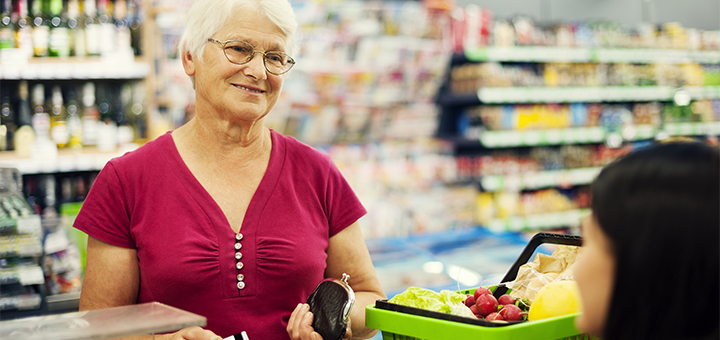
(248, 89)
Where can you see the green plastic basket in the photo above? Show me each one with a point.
(406, 323)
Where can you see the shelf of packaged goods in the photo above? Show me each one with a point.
(591, 135)
(579, 54)
(25, 275)
(569, 218)
(89, 159)
(539, 179)
(27, 301)
(74, 68)
(21, 245)
(532, 94)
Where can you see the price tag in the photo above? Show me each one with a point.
(532, 137)
(553, 137)
(488, 138)
(513, 138)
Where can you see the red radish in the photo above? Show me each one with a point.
(506, 299)
(470, 300)
(494, 316)
(511, 313)
(474, 310)
(486, 304)
(481, 291)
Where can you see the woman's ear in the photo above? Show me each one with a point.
(188, 63)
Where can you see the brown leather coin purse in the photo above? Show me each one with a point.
(330, 304)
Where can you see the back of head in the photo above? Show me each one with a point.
(206, 17)
(660, 208)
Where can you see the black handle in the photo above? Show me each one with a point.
(535, 241)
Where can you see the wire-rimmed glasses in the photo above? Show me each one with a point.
(240, 52)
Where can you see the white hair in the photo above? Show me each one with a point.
(206, 17)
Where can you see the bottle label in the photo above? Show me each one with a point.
(59, 134)
(59, 42)
(6, 38)
(92, 39)
(41, 39)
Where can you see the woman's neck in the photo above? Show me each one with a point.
(216, 140)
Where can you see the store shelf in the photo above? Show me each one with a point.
(512, 138)
(540, 179)
(73, 68)
(90, 159)
(531, 94)
(27, 275)
(577, 54)
(551, 220)
(585, 135)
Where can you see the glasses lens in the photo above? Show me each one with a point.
(238, 52)
(278, 62)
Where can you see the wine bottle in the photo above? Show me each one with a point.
(25, 135)
(122, 35)
(58, 118)
(40, 117)
(7, 34)
(74, 123)
(7, 120)
(59, 43)
(77, 38)
(91, 27)
(23, 33)
(90, 115)
(107, 127)
(40, 28)
(137, 116)
(107, 27)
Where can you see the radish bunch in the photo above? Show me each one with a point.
(485, 306)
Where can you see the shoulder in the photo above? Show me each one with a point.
(297, 151)
(147, 157)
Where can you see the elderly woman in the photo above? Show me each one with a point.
(224, 217)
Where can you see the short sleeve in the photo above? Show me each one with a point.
(344, 207)
(104, 214)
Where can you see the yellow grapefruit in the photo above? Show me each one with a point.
(554, 299)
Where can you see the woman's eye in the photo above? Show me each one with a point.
(276, 58)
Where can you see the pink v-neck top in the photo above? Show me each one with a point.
(149, 200)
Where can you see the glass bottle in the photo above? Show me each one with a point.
(24, 31)
(77, 39)
(59, 43)
(40, 28)
(7, 120)
(90, 115)
(7, 34)
(24, 135)
(58, 118)
(74, 123)
(91, 27)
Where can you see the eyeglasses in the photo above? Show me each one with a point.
(240, 52)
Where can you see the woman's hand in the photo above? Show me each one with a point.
(300, 325)
(192, 333)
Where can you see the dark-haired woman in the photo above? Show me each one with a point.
(650, 267)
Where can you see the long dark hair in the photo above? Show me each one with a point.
(660, 208)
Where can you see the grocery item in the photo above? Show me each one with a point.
(555, 299)
(445, 301)
(544, 269)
